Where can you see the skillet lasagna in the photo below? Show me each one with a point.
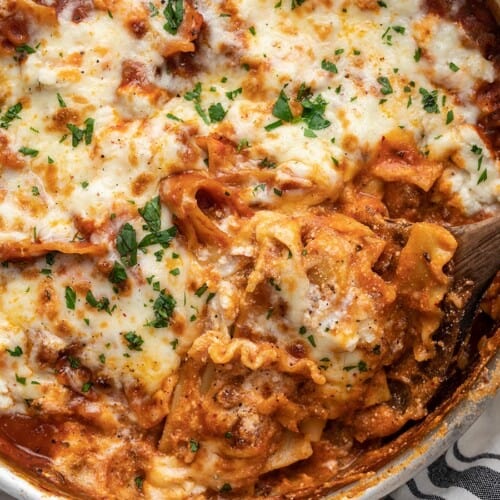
(201, 292)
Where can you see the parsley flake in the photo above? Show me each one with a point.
(174, 15)
(25, 48)
(61, 100)
(429, 100)
(194, 445)
(117, 274)
(11, 114)
(281, 108)
(16, 352)
(329, 66)
(126, 244)
(385, 85)
(216, 112)
(29, 151)
(134, 341)
(70, 297)
(163, 308)
(232, 94)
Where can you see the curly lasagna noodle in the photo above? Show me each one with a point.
(201, 294)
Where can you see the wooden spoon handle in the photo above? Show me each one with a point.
(478, 254)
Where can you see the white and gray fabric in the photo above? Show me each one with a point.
(469, 470)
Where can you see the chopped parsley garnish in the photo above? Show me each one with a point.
(153, 9)
(385, 85)
(281, 108)
(312, 113)
(252, 30)
(194, 445)
(302, 330)
(243, 144)
(216, 112)
(277, 192)
(139, 481)
(126, 244)
(453, 67)
(78, 135)
(28, 151)
(117, 274)
(297, 3)
(266, 163)
(70, 297)
(101, 305)
(163, 308)
(449, 117)
(162, 238)
(233, 93)
(418, 54)
(195, 94)
(329, 66)
(173, 117)
(16, 352)
(483, 177)
(11, 114)
(361, 366)
(274, 284)
(35, 191)
(429, 100)
(309, 133)
(87, 386)
(257, 188)
(61, 100)
(311, 340)
(274, 125)
(175, 272)
(102, 358)
(174, 344)
(74, 363)
(203, 288)
(24, 48)
(21, 380)
(151, 213)
(382, 4)
(174, 14)
(226, 487)
(134, 341)
(399, 29)
(476, 149)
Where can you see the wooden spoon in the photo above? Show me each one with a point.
(477, 257)
(476, 261)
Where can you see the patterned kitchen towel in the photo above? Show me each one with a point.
(469, 470)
